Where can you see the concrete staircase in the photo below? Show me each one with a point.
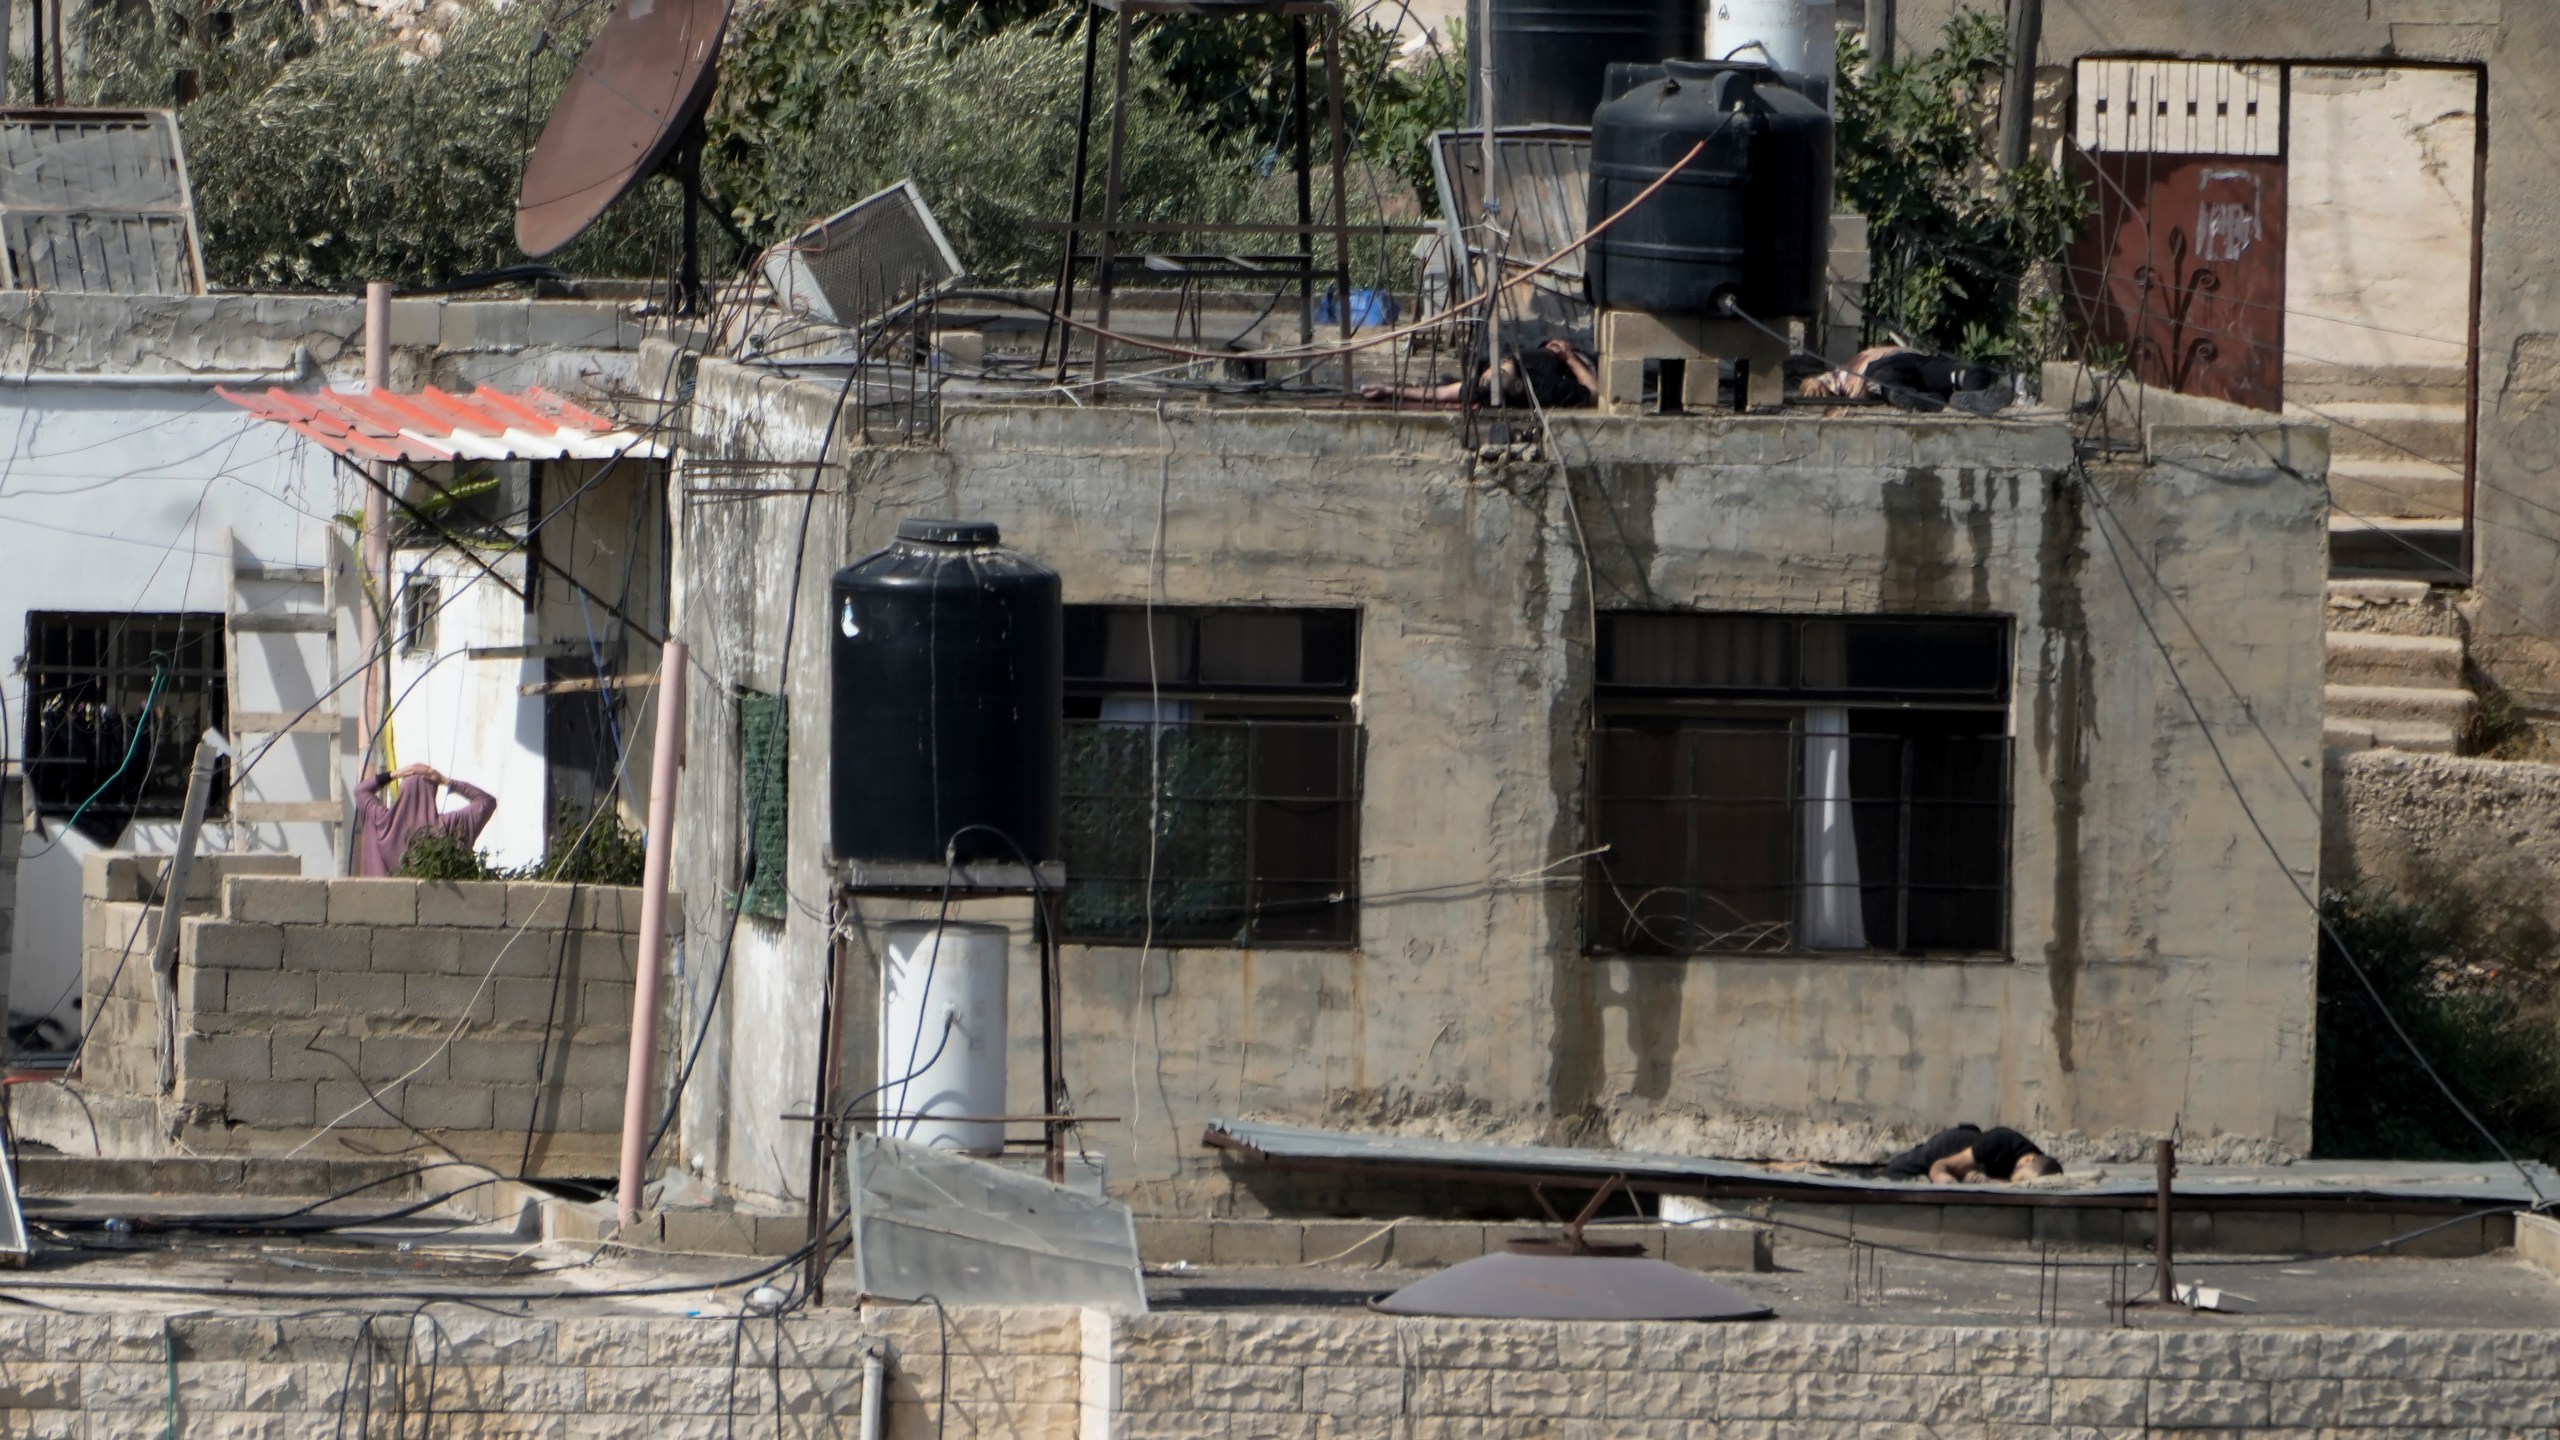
(2399, 449)
(2395, 668)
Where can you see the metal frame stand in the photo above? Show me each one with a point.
(827, 1129)
(1107, 226)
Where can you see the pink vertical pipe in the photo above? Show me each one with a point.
(666, 759)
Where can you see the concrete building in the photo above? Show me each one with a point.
(1476, 904)
(157, 530)
(2384, 259)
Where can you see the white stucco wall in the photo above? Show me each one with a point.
(128, 499)
(468, 717)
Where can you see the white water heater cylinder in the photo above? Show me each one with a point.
(1797, 36)
(942, 1034)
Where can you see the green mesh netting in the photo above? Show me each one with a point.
(765, 749)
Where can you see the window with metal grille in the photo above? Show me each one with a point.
(1212, 776)
(764, 726)
(115, 703)
(1800, 784)
(421, 601)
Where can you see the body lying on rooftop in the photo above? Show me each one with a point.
(1965, 1153)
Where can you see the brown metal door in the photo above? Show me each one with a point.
(2182, 265)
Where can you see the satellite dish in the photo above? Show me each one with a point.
(636, 96)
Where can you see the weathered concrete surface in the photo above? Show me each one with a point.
(2517, 544)
(2160, 964)
(437, 340)
(2408, 821)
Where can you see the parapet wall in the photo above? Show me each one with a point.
(377, 1009)
(1059, 1374)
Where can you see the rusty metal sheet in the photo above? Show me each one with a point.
(2182, 264)
(639, 87)
(1543, 179)
(96, 202)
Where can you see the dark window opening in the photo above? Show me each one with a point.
(421, 601)
(1741, 819)
(115, 705)
(1219, 805)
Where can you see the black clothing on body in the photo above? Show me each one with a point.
(1925, 382)
(1540, 372)
(2000, 1149)
(1914, 1163)
(1996, 1152)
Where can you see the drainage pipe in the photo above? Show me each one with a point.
(875, 1374)
(667, 757)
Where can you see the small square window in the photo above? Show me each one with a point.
(421, 601)
(1212, 776)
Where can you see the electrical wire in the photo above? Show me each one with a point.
(141, 726)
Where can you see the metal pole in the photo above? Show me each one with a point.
(822, 1127)
(173, 899)
(375, 594)
(1879, 34)
(1045, 907)
(1075, 201)
(1111, 194)
(1306, 182)
(1341, 185)
(2018, 95)
(1492, 213)
(2167, 1156)
(61, 85)
(666, 759)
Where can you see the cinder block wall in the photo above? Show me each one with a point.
(373, 1010)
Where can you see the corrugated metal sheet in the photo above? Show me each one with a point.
(434, 425)
(96, 202)
(1544, 185)
(1294, 1147)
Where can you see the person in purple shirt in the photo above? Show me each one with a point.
(385, 832)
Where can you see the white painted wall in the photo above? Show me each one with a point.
(2379, 218)
(119, 498)
(466, 716)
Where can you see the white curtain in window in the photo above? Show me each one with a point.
(1832, 917)
(1141, 709)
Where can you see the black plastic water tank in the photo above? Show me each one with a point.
(1750, 218)
(1551, 57)
(949, 689)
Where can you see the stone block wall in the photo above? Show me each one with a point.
(375, 1009)
(1061, 1374)
(1200, 1377)
(455, 1371)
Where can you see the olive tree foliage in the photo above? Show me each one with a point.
(323, 155)
(823, 104)
(1960, 249)
(325, 151)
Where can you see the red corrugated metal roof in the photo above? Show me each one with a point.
(433, 425)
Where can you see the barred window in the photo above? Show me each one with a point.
(1231, 782)
(115, 703)
(1787, 785)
